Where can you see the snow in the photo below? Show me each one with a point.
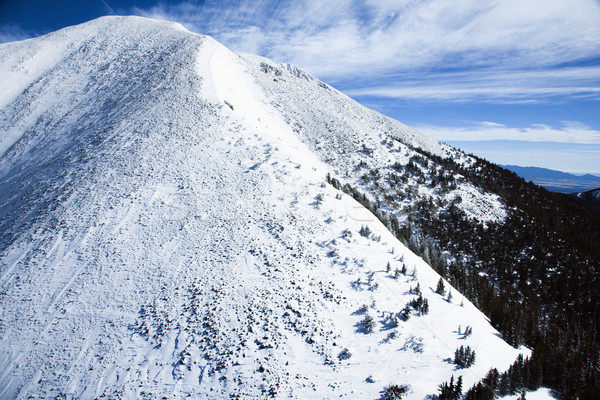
(540, 394)
(339, 127)
(168, 231)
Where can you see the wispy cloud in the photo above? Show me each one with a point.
(569, 132)
(345, 37)
(571, 147)
(401, 40)
(490, 85)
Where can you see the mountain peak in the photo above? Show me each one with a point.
(120, 24)
(169, 229)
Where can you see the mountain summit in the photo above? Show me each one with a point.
(178, 220)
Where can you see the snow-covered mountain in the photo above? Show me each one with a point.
(167, 229)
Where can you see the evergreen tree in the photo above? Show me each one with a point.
(393, 392)
(468, 331)
(365, 231)
(441, 288)
(451, 390)
(425, 307)
(464, 357)
(405, 312)
(503, 385)
(367, 324)
(480, 392)
(457, 393)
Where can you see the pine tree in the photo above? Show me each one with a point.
(446, 390)
(393, 392)
(464, 357)
(450, 390)
(480, 392)
(425, 307)
(440, 289)
(365, 231)
(457, 393)
(468, 331)
(503, 385)
(367, 324)
(405, 312)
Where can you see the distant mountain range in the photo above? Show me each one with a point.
(556, 181)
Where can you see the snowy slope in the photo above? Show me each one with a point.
(353, 139)
(167, 229)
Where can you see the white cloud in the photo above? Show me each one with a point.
(492, 85)
(574, 160)
(492, 124)
(572, 147)
(570, 132)
(342, 38)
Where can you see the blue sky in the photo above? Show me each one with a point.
(514, 81)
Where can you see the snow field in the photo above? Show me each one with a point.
(172, 234)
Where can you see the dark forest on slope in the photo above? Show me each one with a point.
(536, 275)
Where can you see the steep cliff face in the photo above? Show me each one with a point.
(167, 229)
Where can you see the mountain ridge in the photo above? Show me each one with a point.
(169, 230)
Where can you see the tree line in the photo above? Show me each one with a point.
(536, 275)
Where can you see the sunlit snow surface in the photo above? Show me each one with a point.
(167, 229)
